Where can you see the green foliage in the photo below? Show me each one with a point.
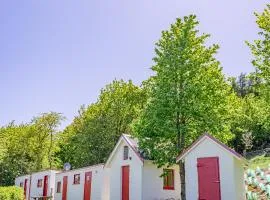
(28, 147)
(254, 90)
(261, 47)
(254, 117)
(259, 161)
(94, 132)
(11, 193)
(188, 94)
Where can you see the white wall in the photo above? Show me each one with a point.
(209, 148)
(35, 191)
(136, 171)
(153, 183)
(76, 192)
(239, 179)
(20, 179)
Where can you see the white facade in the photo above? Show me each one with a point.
(99, 183)
(32, 183)
(20, 182)
(145, 181)
(153, 183)
(38, 191)
(231, 169)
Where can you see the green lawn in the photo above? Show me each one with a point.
(260, 161)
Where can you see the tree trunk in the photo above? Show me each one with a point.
(182, 179)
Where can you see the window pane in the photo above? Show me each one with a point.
(168, 179)
(58, 187)
(125, 152)
(76, 179)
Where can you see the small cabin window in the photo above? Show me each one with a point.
(21, 184)
(76, 179)
(58, 188)
(39, 183)
(168, 179)
(125, 152)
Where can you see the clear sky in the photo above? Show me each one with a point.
(56, 55)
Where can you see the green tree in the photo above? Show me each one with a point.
(28, 147)
(189, 96)
(261, 48)
(44, 128)
(94, 132)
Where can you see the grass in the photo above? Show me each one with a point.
(259, 161)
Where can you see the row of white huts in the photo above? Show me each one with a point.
(213, 172)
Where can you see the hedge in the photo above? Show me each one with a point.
(11, 193)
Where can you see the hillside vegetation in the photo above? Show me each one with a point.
(188, 94)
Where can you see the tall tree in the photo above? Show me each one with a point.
(94, 132)
(45, 127)
(189, 96)
(261, 48)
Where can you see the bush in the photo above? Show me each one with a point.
(11, 193)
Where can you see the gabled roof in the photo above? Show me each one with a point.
(207, 136)
(131, 142)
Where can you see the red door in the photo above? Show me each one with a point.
(65, 182)
(125, 182)
(208, 178)
(45, 187)
(87, 186)
(25, 187)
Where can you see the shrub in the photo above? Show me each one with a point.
(11, 193)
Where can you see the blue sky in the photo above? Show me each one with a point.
(57, 55)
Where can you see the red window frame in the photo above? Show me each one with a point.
(168, 179)
(125, 153)
(39, 183)
(76, 179)
(58, 187)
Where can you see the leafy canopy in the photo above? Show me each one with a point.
(188, 95)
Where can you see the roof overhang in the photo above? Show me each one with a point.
(207, 136)
(125, 139)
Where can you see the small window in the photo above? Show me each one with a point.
(125, 152)
(21, 184)
(39, 183)
(76, 179)
(58, 189)
(168, 179)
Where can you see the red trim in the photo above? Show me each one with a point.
(125, 182)
(25, 187)
(64, 189)
(45, 186)
(208, 178)
(216, 141)
(167, 187)
(87, 186)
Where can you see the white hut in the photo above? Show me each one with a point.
(134, 177)
(87, 183)
(213, 171)
(38, 184)
(24, 182)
